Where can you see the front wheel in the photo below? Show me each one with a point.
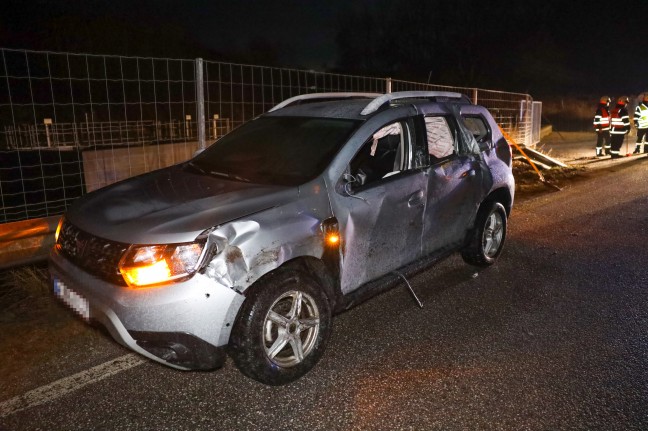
(282, 328)
(486, 240)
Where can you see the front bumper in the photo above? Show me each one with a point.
(184, 325)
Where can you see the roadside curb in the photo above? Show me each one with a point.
(602, 162)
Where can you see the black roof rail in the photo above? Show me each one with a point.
(313, 97)
(438, 96)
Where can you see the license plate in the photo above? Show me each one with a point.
(77, 302)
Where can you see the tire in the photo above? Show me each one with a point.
(282, 328)
(486, 240)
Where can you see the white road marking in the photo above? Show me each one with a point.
(69, 384)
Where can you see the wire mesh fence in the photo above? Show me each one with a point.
(512, 111)
(72, 123)
(241, 92)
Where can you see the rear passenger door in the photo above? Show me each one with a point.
(454, 183)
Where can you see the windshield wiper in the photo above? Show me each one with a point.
(229, 176)
(196, 167)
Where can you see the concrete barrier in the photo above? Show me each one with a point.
(104, 167)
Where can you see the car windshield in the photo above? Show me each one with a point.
(276, 150)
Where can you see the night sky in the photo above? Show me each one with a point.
(545, 47)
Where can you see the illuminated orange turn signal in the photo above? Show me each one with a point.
(155, 273)
(333, 238)
(331, 232)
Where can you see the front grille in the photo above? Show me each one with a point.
(97, 256)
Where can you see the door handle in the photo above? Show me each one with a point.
(469, 173)
(415, 199)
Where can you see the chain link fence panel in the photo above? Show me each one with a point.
(72, 123)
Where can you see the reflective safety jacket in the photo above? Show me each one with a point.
(619, 121)
(641, 116)
(602, 119)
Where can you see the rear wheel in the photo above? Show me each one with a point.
(486, 240)
(282, 329)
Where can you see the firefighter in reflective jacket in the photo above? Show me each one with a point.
(602, 126)
(641, 122)
(619, 126)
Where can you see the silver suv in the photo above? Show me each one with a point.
(249, 248)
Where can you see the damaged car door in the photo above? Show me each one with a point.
(380, 207)
(455, 183)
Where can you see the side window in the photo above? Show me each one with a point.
(387, 152)
(441, 139)
(478, 127)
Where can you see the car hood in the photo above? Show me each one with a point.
(170, 205)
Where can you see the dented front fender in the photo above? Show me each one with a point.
(252, 246)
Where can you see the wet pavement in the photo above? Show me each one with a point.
(553, 336)
(579, 149)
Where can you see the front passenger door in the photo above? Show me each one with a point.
(381, 211)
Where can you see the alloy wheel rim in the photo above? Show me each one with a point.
(493, 234)
(290, 328)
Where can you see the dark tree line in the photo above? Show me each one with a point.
(138, 28)
(544, 47)
(536, 46)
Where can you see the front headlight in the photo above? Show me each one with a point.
(147, 265)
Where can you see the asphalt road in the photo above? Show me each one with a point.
(553, 337)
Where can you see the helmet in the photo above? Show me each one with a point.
(623, 100)
(604, 100)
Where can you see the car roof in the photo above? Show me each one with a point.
(341, 109)
(359, 106)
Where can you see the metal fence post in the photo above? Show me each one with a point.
(388, 85)
(200, 104)
(187, 126)
(48, 124)
(215, 125)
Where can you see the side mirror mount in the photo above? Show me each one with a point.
(349, 178)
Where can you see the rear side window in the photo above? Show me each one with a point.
(478, 127)
(441, 138)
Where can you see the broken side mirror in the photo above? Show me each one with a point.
(348, 181)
